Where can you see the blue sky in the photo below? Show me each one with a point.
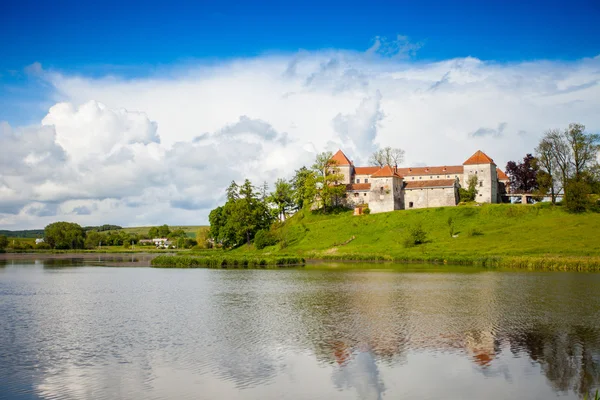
(127, 112)
(73, 34)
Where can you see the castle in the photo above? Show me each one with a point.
(390, 188)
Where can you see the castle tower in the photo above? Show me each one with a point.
(386, 192)
(484, 168)
(344, 165)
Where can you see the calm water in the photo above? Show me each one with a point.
(89, 332)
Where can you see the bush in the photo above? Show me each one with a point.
(366, 211)
(416, 236)
(43, 246)
(474, 232)
(576, 197)
(264, 238)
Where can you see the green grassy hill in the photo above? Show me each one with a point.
(486, 232)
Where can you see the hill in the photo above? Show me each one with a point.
(481, 233)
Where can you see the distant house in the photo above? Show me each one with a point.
(38, 241)
(162, 243)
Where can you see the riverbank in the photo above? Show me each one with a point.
(538, 236)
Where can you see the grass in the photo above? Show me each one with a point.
(225, 261)
(538, 236)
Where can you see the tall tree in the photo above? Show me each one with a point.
(282, 197)
(387, 156)
(329, 180)
(584, 148)
(523, 175)
(299, 187)
(544, 154)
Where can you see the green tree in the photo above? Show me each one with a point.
(64, 235)
(282, 198)
(470, 193)
(93, 239)
(3, 242)
(329, 181)
(241, 217)
(577, 196)
(299, 187)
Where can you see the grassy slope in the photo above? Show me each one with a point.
(508, 231)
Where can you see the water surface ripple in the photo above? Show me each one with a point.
(87, 332)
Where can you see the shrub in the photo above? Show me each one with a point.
(264, 238)
(450, 225)
(416, 236)
(474, 232)
(43, 246)
(366, 210)
(576, 197)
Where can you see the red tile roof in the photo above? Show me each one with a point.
(386, 172)
(479, 158)
(366, 170)
(340, 158)
(358, 186)
(443, 170)
(434, 183)
(501, 175)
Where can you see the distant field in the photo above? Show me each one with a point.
(190, 230)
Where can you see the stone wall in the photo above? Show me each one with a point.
(357, 198)
(386, 194)
(430, 197)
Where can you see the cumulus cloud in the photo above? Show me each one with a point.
(163, 148)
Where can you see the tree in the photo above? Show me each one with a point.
(387, 156)
(240, 218)
(544, 154)
(523, 175)
(328, 185)
(3, 242)
(64, 235)
(299, 187)
(570, 154)
(282, 198)
(93, 239)
(576, 196)
(470, 193)
(584, 148)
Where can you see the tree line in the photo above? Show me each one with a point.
(564, 164)
(69, 236)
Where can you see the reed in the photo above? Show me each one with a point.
(226, 261)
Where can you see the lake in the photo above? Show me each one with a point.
(75, 329)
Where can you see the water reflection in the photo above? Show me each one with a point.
(145, 333)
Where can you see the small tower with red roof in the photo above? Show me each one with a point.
(484, 168)
(344, 165)
(386, 192)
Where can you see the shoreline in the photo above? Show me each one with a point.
(540, 263)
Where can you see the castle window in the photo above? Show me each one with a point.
(358, 181)
(475, 172)
(355, 194)
(438, 177)
(447, 176)
(413, 178)
(480, 183)
(420, 177)
(381, 189)
(366, 180)
(365, 195)
(410, 205)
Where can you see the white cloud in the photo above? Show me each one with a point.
(162, 149)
